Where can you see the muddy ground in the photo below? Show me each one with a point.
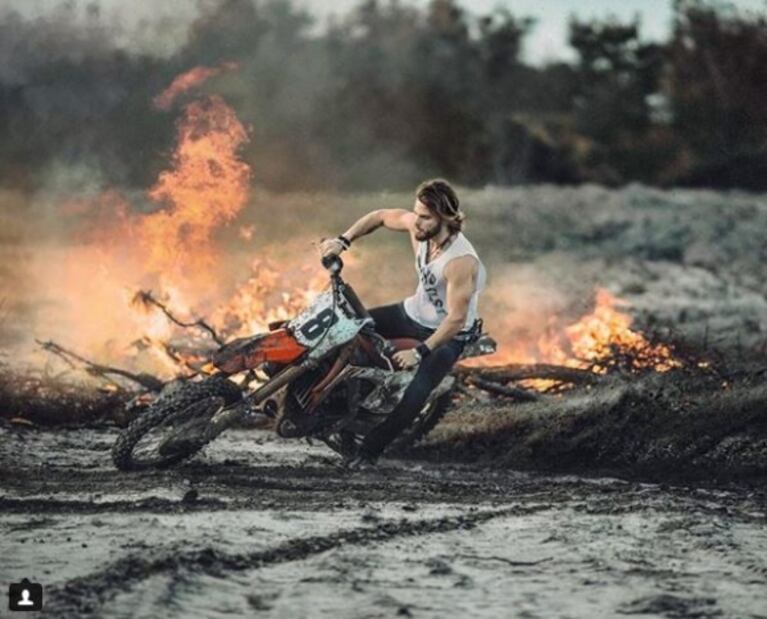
(638, 496)
(265, 527)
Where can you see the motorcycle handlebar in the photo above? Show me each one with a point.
(333, 263)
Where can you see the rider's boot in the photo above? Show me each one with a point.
(360, 461)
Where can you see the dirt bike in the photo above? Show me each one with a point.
(325, 374)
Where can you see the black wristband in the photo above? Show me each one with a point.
(423, 350)
(346, 242)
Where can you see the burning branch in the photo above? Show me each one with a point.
(533, 371)
(194, 364)
(94, 369)
(145, 298)
(541, 377)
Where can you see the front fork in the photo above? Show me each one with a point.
(230, 415)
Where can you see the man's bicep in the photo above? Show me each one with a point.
(398, 219)
(460, 275)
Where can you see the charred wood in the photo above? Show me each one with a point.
(145, 298)
(104, 371)
(514, 372)
(522, 395)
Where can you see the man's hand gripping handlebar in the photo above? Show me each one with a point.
(333, 264)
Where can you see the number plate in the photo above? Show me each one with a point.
(321, 327)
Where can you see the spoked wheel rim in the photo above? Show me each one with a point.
(177, 436)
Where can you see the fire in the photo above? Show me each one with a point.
(598, 337)
(173, 250)
(194, 78)
(595, 342)
(207, 187)
(263, 298)
(170, 248)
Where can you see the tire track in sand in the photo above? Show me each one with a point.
(88, 594)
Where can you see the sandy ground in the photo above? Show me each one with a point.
(264, 527)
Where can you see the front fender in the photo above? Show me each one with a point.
(246, 353)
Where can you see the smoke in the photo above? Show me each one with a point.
(69, 93)
(27, 44)
(380, 98)
(351, 108)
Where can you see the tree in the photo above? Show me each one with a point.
(717, 84)
(617, 74)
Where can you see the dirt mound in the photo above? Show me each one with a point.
(678, 425)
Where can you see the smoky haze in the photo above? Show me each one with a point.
(385, 95)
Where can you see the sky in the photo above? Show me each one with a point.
(161, 26)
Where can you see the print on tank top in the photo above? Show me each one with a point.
(428, 306)
(429, 281)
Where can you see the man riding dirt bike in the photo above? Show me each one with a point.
(358, 380)
(442, 313)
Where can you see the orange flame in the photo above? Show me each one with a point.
(207, 187)
(593, 343)
(194, 78)
(265, 298)
(172, 251)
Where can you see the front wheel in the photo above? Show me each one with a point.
(148, 442)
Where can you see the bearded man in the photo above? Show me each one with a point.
(441, 314)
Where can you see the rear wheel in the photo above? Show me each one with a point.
(145, 442)
(347, 442)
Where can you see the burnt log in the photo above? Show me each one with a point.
(516, 372)
(522, 395)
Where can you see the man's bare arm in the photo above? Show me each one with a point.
(391, 219)
(461, 275)
(399, 220)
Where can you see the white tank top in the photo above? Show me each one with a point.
(428, 306)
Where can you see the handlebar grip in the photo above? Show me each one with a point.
(332, 263)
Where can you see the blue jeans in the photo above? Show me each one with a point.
(392, 322)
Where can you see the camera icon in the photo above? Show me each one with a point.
(25, 596)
